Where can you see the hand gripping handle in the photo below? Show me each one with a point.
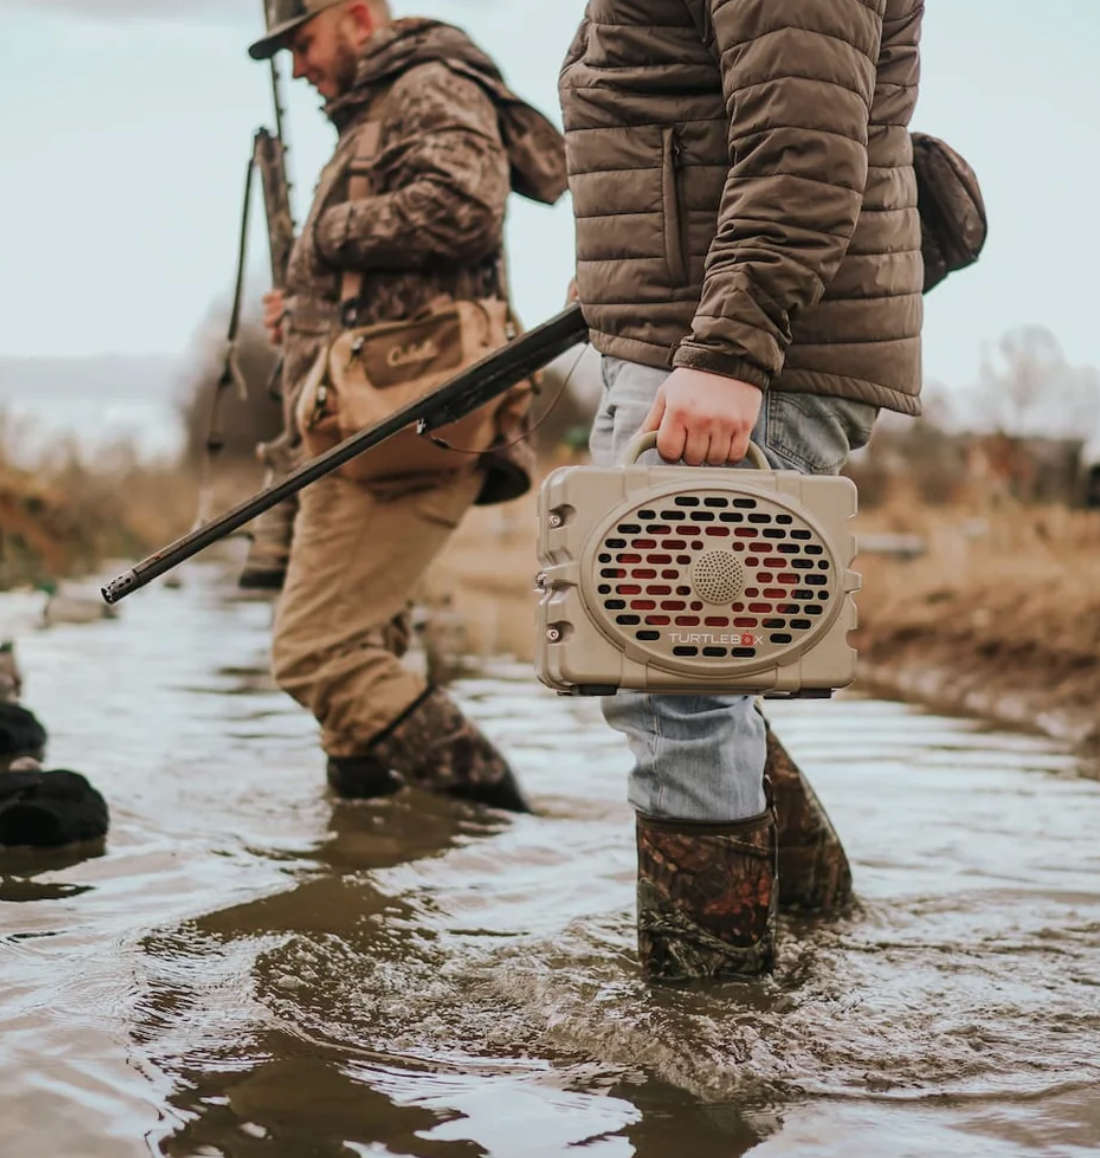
(640, 443)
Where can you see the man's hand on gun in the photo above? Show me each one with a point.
(274, 315)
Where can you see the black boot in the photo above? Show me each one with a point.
(21, 735)
(707, 898)
(49, 809)
(362, 778)
(432, 746)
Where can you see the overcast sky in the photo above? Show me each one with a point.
(125, 128)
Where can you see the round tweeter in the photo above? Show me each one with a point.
(718, 577)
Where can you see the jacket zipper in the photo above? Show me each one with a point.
(672, 211)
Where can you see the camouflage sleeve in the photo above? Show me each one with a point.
(449, 183)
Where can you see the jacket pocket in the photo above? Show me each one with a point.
(672, 209)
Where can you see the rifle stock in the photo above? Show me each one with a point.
(269, 158)
(269, 154)
(468, 390)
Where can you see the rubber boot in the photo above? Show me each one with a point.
(49, 809)
(362, 778)
(21, 735)
(814, 873)
(707, 897)
(432, 746)
(269, 548)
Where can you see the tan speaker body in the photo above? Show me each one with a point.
(678, 579)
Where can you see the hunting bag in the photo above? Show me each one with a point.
(952, 210)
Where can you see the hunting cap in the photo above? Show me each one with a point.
(283, 16)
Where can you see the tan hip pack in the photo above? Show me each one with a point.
(369, 372)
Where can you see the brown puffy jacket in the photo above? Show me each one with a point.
(455, 141)
(756, 219)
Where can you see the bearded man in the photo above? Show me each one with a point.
(409, 211)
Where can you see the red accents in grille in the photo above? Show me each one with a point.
(650, 584)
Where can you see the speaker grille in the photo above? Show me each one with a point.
(712, 575)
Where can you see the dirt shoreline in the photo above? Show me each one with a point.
(1000, 619)
(997, 617)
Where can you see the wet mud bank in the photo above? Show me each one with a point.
(999, 686)
(998, 620)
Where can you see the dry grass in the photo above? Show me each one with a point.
(72, 510)
(1030, 575)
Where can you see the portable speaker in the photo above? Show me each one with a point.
(687, 579)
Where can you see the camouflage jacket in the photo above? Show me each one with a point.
(454, 142)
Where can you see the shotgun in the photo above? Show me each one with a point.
(464, 393)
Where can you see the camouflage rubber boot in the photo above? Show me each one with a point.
(433, 746)
(269, 548)
(707, 899)
(814, 873)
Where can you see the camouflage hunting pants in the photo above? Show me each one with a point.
(341, 624)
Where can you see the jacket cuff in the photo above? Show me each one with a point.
(714, 362)
(330, 234)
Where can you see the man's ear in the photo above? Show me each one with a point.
(362, 22)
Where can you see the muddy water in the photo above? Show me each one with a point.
(254, 970)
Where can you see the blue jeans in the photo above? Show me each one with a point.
(701, 758)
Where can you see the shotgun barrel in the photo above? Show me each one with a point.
(468, 390)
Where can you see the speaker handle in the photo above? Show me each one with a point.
(640, 443)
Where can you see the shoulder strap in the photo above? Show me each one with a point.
(366, 149)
